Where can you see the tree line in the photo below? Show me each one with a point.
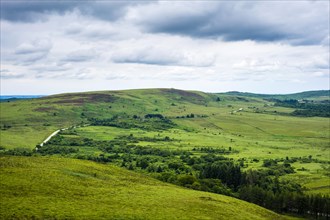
(306, 108)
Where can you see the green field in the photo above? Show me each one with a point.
(246, 126)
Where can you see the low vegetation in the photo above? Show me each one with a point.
(148, 122)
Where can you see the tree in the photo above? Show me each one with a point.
(143, 163)
(159, 169)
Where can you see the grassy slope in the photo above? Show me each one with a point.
(48, 187)
(255, 135)
(32, 121)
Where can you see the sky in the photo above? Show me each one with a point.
(50, 47)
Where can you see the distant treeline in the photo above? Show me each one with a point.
(306, 108)
(301, 95)
(9, 98)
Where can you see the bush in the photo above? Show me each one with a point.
(19, 152)
(49, 150)
(184, 179)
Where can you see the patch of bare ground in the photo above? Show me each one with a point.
(80, 99)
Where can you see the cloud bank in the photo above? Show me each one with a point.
(258, 46)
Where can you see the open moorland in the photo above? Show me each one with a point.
(271, 150)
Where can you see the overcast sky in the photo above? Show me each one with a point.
(50, 47)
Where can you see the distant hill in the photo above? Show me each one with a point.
(5, 98)
(300, 95)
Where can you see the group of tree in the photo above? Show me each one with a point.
(306, 108)
(215, 150)
(150, 122)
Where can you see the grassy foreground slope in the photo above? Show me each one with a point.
(59, 188)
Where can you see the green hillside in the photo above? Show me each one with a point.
(55, 188)
(179, 137)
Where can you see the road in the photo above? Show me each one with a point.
(56, 132)
(52, 135)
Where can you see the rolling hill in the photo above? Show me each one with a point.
(106, 126)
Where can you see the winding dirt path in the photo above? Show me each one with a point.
(52, 135)
(56, 132)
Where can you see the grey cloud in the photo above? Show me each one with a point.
(101, 30)
(51, 67)
(300, 22)
(27, 53)
(107, 10)
(80, 56)
(95, 32)
(61, 72)
(7, 74)
(116, 76)
(29, 59)
(145, 59)
(321, 64)
(162, 57)
(147, 55)
(32, 11)
(41, 45)
(297, 23)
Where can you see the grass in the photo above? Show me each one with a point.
(258, 131)
(50, 187)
